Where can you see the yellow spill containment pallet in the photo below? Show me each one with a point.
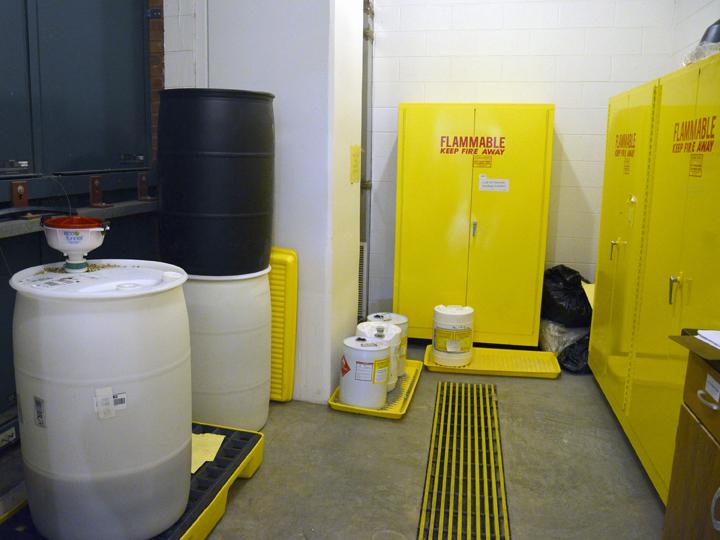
(240, 455)
(283, 298)
(398, 400)
(502, 362)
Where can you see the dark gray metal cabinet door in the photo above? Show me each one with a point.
(15, 114)
(93, 76)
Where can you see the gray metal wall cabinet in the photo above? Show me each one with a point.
(93, 85)
(16, 144)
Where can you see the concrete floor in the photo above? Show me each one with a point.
(570, 472)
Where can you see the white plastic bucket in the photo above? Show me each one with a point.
(389, 333)
(453, 335)
(364, 372)
(230, 324)
(402, 322)
(102, 369)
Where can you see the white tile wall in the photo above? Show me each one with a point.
(575, 54)
(180, 24)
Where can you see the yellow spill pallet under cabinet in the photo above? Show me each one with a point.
(502, 362)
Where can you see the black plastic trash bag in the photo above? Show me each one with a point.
(574, 358)
(563, 299)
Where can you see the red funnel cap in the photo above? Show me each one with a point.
(74, 222)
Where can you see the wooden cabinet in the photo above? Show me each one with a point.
(472, 203)
(693, 509)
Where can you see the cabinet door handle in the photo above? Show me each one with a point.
(673, 280)
(709, 404)
(474, 227)
(713, 505)
(613, 244)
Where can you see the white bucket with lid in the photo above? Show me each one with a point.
(453, 335)
(102, 370)
(402, 322)
(364, 372)
(230, 326)
(389, 333)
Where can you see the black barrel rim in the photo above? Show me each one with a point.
(216, 92)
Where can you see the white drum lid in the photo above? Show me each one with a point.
(369, 329)
(360, 343)
(394, 318)
(453, 314)
(238, 277)
(116, 278)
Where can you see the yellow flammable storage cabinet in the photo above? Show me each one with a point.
(472, 202)
(677, 284)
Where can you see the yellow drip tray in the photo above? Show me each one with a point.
(502, 362)
(398, 400)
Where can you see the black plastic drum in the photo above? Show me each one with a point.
(216, 152)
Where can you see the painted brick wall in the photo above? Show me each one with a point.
(573, 53)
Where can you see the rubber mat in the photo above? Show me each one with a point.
(464, 493)
(502, 362)
(239, 456)
(283, 298)
(398, 400)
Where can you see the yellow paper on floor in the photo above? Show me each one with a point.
(205, 447)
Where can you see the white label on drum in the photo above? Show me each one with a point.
(106, 403)
(363, 371)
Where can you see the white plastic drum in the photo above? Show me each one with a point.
(390, 334)
(102, 368)
(402, 322)
(230, 324)
(453, 335)
(364, 372)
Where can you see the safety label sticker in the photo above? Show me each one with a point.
(380, 370)
(696, 165)
(345, 367)
(493, 184)
(364, 371)
(626, 166)
(482, 162)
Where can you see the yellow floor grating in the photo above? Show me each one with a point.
(464, 495)
(398, 400)
(504, 362)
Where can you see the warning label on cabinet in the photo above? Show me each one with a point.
(696, 165)
(482, 162)
(696, 135)
(472, 145)
(625, 144)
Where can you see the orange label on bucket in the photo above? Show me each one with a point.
(452, 341)
(345, 368)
